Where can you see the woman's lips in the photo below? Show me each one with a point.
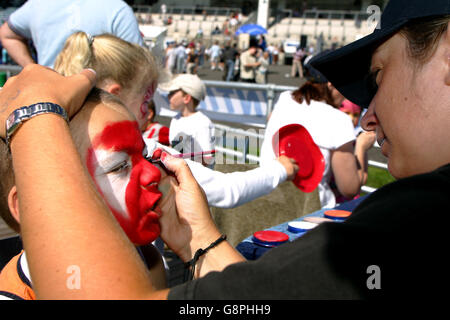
(383, 146)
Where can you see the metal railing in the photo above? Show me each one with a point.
(270, 89)
(10, 70)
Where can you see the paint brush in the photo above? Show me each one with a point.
(157, 159)
(193, 154)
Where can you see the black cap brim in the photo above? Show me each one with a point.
(348, 68)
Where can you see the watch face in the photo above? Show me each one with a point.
(18, 116)
(10, 120)
(14, 120)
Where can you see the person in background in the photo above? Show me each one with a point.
(214, 54)
(229, 56)
(275, 53)
(171, 57)
(262, 43)
(263, 69)
(190, 130)
(155, 130)
(271, 49)
(180, 56)
(353, 111)
(49, 23)
(297, 62)
(200, 48)
(315, 105)
(191, 59)
(249, 63)
(163, 11)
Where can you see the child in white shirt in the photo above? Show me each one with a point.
(190, 131)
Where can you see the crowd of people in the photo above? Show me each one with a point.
(224, 56)
(119, 188)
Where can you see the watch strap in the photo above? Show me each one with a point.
(18, 116)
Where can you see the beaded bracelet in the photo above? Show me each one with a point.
(191, 264)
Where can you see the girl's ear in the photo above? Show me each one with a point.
(113, 88)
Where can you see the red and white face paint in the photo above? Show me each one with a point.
(147, 98)
(137, 103)
(127, 181)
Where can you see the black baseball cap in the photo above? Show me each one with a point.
(348, 67)
(311, 73)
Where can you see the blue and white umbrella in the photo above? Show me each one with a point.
(251, 29)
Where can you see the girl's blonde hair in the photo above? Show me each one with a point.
(111, 57)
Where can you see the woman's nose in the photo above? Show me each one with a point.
(369, 121)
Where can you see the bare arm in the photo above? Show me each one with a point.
(345, 170)
(363, 143)
(68, 231)
(16, 46)
(349, 164)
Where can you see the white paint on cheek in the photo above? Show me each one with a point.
(112, 185)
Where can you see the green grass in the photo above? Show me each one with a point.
(378, 177)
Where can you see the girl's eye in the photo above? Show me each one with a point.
(120, 167)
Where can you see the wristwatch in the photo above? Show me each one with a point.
(20, 115)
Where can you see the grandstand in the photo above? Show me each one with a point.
(335, 27)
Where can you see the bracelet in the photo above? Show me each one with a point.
(191, 264)
(18, 116)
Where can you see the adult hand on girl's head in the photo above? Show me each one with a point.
(36, 83)
(191, 227)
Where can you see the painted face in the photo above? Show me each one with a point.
(127, 181)
(410, 111)
(138, 104)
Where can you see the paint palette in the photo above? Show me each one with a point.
(337, 215)
(294, 141)
(269, 238)
(301, 226)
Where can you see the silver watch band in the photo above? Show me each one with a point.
(18, 116)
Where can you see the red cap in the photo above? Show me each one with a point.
(294, 141)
